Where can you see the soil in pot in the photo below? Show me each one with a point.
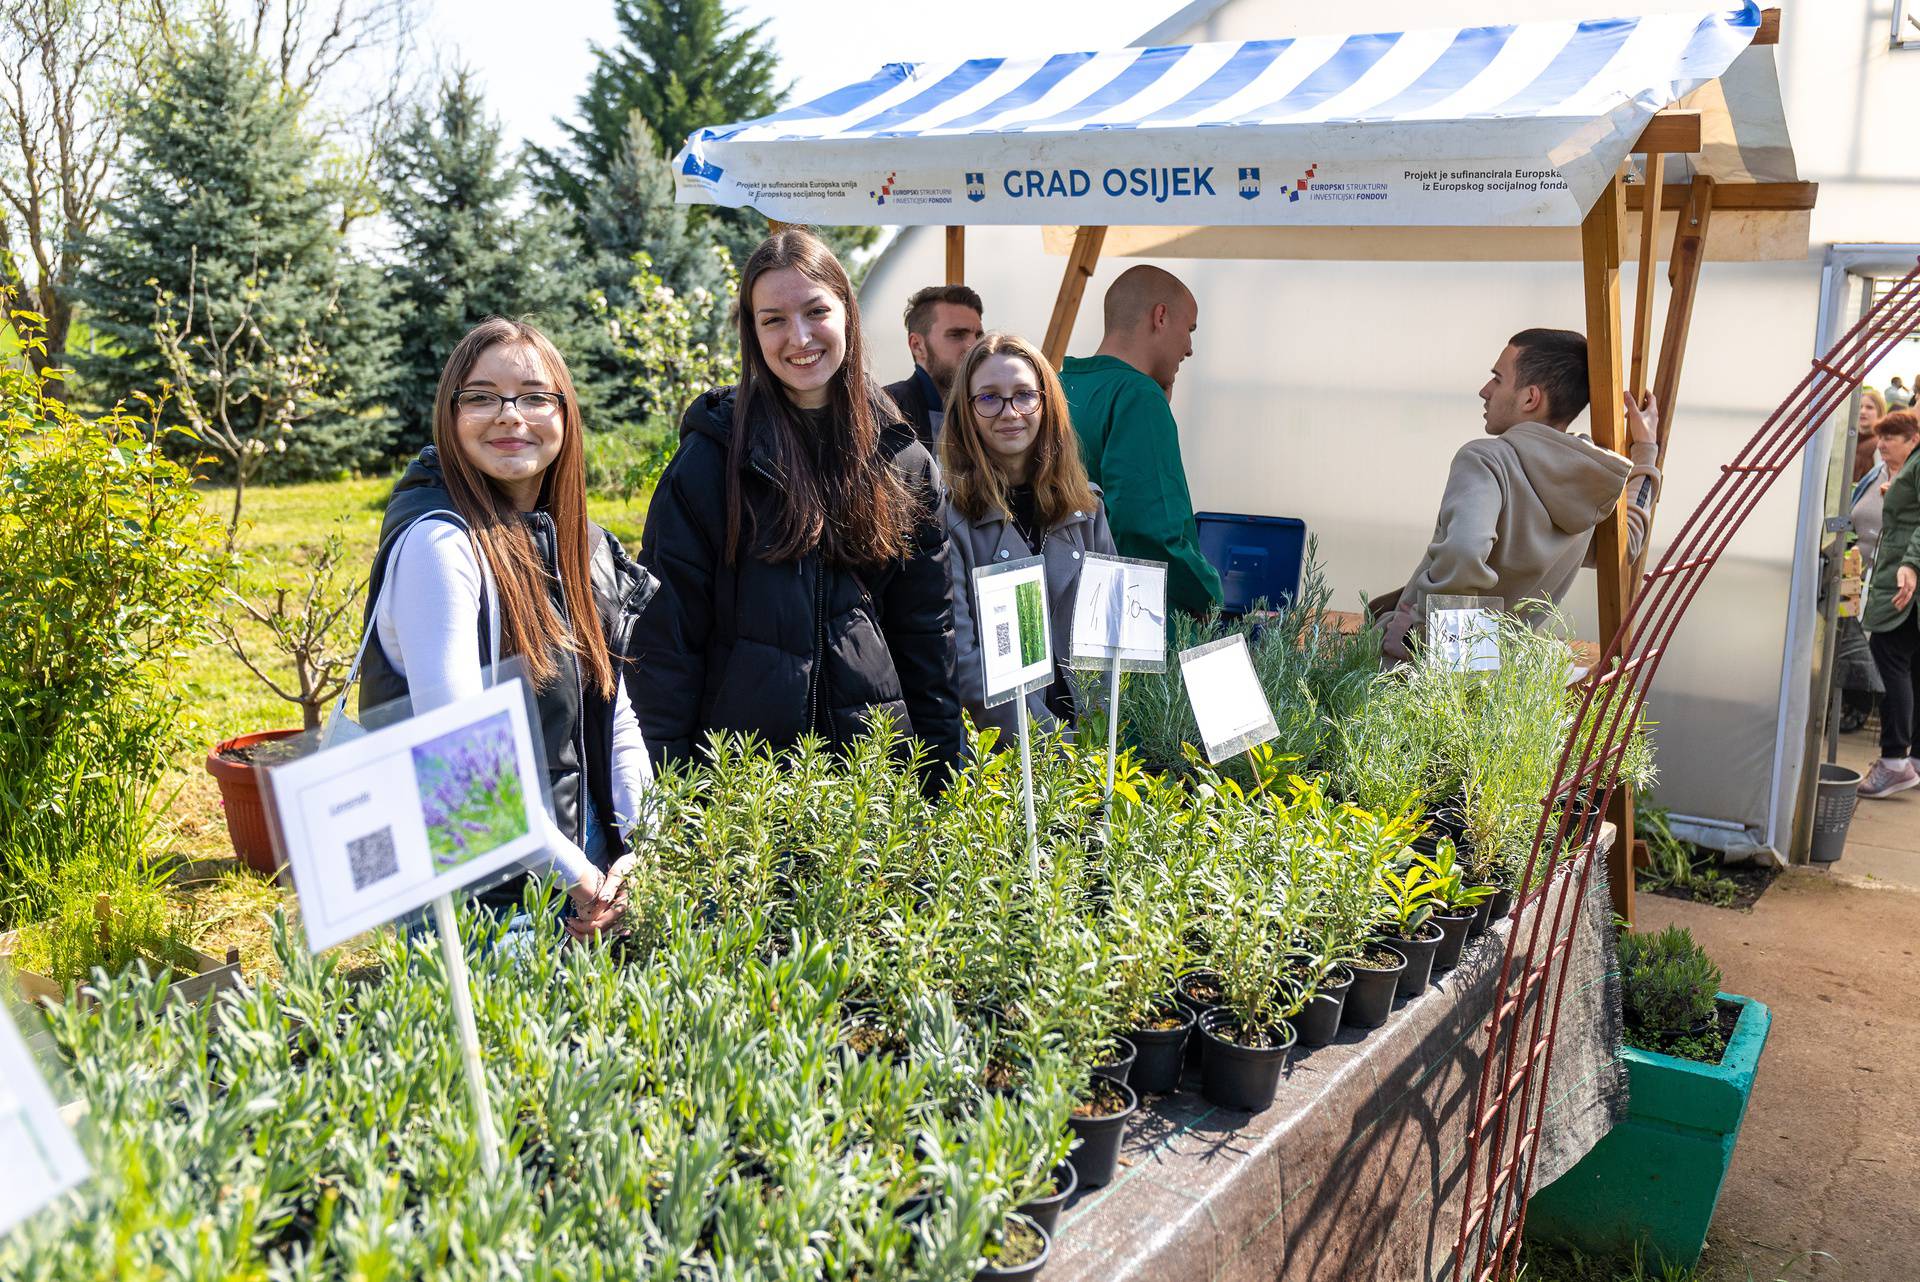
(1453, 938)
(1045, 1210)
(1097, 1123)
(1161, 1049)
(1319, 1020)
(1240, 1068)
(1119, 1062)
(1023, 1249)
(1376, 980)
(1419, 954)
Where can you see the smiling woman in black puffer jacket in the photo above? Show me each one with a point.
(797, 541)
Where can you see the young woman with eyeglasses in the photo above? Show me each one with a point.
(1015, 488)
(797, 540)
(489, 524)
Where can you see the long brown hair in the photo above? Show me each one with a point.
(974, 485)
(850, 505)
(531, 627)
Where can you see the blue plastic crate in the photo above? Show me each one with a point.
(1259, 557)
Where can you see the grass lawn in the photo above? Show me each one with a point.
(279, 524)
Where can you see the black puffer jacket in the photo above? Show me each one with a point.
(576, 724)
(781, 649)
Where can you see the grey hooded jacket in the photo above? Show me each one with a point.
(993, 540)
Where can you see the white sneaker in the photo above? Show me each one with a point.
(1888, 776)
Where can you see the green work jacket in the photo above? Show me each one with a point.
(1899, 545)
(1131, 447)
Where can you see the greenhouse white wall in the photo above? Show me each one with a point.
(1337, 392)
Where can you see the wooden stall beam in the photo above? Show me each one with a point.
(1643, 283)
(1752, 198)
(1081, 261)
(1670, 131)
(1769, 33)
(1600, 261)
(775, 226)
(956, 255)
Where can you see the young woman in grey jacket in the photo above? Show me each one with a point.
(1015, 487)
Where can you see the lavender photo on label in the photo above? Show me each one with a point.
(471, 794)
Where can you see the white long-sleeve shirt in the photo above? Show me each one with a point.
(427, 623)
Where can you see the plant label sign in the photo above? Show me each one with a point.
(384, 823)
(1016, 642)
(1463, 632)
(1120, 615)
(1228, 704)
(43, 1161)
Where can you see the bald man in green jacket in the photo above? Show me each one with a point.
(1128, 439)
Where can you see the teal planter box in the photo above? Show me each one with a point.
(1654, 1179)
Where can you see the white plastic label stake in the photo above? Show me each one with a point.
(1120, 613)
(1229, 706)
(43, 1161)
(1015, 637)
(1463, 632)
(460, 989)
(377, 826)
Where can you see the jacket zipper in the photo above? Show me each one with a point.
(819, 646)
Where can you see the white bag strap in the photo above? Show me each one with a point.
(489, 599)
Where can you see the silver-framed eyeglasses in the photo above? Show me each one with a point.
(992, 404)
(474, 400)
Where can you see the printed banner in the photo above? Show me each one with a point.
(377, 826)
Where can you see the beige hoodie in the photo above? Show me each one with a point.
(1517, 520)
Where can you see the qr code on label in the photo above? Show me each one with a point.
(1002, 640)
(372, 858)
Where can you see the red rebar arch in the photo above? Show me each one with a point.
(1509, 1103)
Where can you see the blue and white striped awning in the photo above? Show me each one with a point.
(1516, 125)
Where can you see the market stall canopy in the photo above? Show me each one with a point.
(1508, 126)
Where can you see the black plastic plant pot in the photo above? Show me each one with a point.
(1370, 1000)
(1045, 1211)
(1499, 906)
(1120, 1066)
(1196, 1005)
(1020, 1272)
(1419, 954)
(1480, 911)
(1236, 1076)
(1319, 1020)
(1096, 1153)
(1161, 1053)
(1453, 931)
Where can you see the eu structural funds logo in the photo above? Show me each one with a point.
(1249, 182)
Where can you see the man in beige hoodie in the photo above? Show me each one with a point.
(1517, 519)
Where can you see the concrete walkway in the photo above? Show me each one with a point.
(1829, 1157)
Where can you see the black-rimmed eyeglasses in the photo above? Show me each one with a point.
(990, 404)
(472, 400)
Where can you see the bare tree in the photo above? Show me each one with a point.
(66, 67)
(239, 392)
(305, 632)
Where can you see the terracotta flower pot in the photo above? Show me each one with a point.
(240, 797)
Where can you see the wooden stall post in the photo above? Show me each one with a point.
(1600, 261)
(1683, 281)
(956, 255)
(1081, 261)
(1643, 283)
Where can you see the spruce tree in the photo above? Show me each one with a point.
(467, 248)
(221, 217)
